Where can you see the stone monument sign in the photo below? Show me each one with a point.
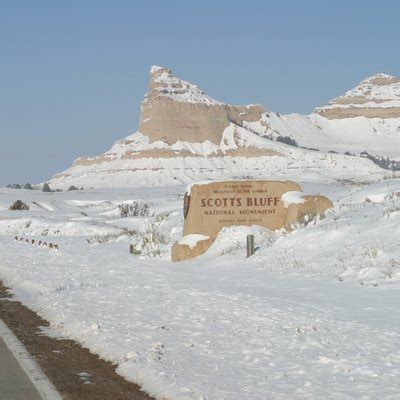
(209, 207)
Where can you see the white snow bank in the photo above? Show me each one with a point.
(292, 197)
(232, 240)
(377, 198)
(156, 68)
(192, 240)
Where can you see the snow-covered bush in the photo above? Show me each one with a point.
(152, 241)
(113, 237)
(135, 209)
(383, 162)
(155, 238)
(391, 268)
(19, 205)
(287, 140)
(231, 240)
(72, 187)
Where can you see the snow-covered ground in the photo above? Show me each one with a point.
(313, 314)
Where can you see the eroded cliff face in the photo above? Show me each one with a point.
(175, 110)
(375, 97)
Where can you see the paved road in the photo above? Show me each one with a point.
(14, 384)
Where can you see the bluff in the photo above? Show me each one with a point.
(185, 135)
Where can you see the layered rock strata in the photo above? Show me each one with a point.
(375, 97)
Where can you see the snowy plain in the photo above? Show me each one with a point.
(313, 314)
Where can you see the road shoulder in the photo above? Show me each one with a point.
(73, 370)
(21, 377)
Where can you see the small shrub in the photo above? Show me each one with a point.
(371, 252)
(135, 209)
(152, 241)
(133, 250)
(19, 205)
(112, 237)
(392, 266)
(233, 248)
(383, 162)
(287, 140)
(46, 188)
(72, 187)
(28, 186)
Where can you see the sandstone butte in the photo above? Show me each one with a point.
(176, 110)
(209, 207)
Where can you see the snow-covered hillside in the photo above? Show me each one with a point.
(366, 118)
(135, 162)
(355, 135)
(185, 135)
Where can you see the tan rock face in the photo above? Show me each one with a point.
(358, 100)
(171, 121)
(85, 161)
(157, 153)
(175, 110)
(210, 207)
(246, 152)
(372, 112)
(249, 152)
(312, 206)
(384, 80)
(181, 252)
(375, 97)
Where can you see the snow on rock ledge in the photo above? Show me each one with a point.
(192, 240)
(293, 197)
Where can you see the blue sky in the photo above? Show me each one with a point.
(72, 74)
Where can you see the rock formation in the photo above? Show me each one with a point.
(175, 110)
(185, 135)
(375, 97)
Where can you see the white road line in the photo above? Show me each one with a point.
(42, 384)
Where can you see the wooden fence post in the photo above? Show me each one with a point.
(250, 245)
